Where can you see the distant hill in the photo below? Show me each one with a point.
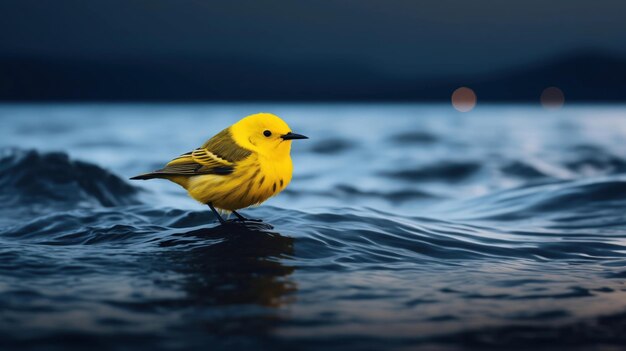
(582, 77)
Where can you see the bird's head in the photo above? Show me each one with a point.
(264, 133)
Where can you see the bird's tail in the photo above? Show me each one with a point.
(147, 176)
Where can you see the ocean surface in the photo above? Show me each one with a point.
(405, 226)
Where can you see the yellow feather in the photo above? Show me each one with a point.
(241, 166)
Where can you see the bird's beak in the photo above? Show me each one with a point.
(292, 136)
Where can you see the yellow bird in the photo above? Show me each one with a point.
(243, 165)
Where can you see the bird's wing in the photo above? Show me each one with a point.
(224, 146)
(199, 161)
(217, 156)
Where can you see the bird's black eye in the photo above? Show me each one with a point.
(267, 133)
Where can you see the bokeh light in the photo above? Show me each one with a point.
(552, 98)
(464, 99)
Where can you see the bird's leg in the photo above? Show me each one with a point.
(217, 214)
(240, 217)
(243, 219)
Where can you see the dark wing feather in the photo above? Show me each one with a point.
(224, 146)
(200, 161)
(217, 156)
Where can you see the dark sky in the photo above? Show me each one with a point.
(411, 38)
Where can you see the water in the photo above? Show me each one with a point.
(404, 226)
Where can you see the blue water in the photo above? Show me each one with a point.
(404, 226)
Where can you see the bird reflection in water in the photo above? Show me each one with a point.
(235, 266)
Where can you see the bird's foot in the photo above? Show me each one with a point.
(255, 220)
(244, 219)
(255, 224)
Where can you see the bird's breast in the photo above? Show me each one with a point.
(275, 174)
(253, 181)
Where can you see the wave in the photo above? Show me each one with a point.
(349, 193)
(101, 208)
(507, 250)
(29, 177)
(593, 159)
(416, 137)
(340, 237)
(332, 146)
(523, 170)
(573, 204)
(575, 162)
(450, 171)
